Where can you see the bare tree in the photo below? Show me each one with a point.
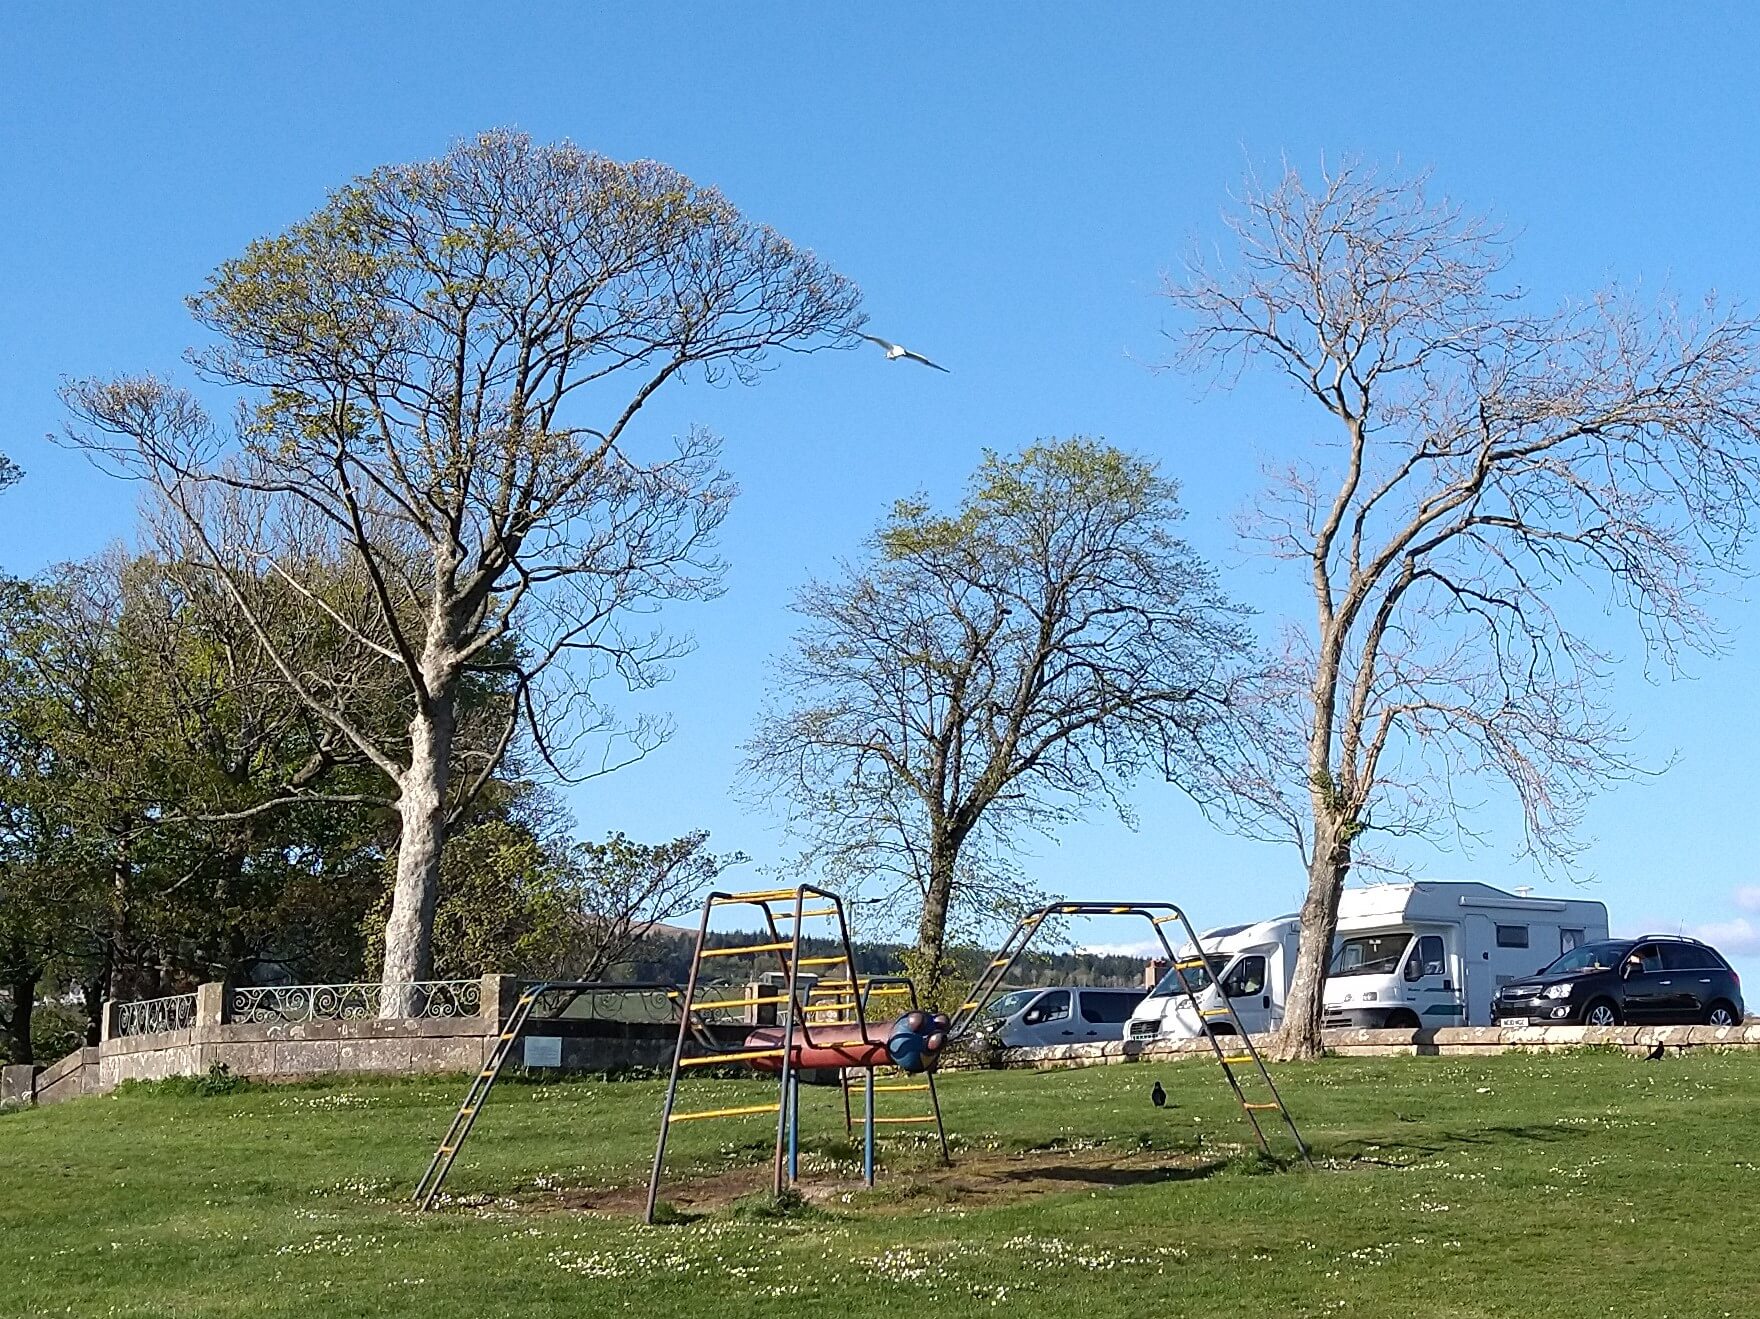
(1501, 476)
(998, 668)
(442, 368)
(619, 891)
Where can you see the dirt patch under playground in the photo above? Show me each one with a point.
(974, 1179)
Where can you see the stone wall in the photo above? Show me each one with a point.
(1448, 1040)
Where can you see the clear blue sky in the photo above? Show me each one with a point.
(1005, 183)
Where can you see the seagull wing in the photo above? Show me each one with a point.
(918, 357)
(872, 339)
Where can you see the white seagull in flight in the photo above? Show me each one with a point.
(895, 351)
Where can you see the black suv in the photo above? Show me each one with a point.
(1658, 979)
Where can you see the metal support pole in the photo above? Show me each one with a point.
(794, 1127)
(868, 1129)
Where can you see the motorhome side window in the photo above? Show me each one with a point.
(1512, 936)
(1427, 961)
(1371, 954)
(1568, 940)
(1246, 979)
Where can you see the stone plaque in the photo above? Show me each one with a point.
(543, 1051)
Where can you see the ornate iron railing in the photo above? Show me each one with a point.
(289, 1003)
(635, 1003)
(149, 1016)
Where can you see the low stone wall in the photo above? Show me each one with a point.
(298, 1050)
(1446, 1040)
(72, 1078)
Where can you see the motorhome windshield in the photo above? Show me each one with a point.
(1198, 978)
(1370, 954)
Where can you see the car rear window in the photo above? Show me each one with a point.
(1688, 957)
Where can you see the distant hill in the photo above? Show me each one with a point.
(666, 955)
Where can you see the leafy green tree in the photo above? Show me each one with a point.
(441, 370)
(996, 669)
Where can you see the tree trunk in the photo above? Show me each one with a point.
(121, 985)
(422, 806)
(1304, 1006)
(23, 987)
(930, 963)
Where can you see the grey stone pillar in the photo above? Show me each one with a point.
(108, 1029)
(18, 1084)
(210, 1005)
(499, 994)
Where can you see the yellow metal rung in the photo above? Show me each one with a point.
(969, 1003)
(924, 1085)
(1191, 963)
(738, 1002)
(1216, 1012)
(823, 961)
(756, 895)
(507, 1035)
(810, 911)
(708, 1058)
(466, 1112)
(1002, 961)
(724, 1112)
(895, 1121)
(1263, 1108)
(1120, 911)
(748, 948)
(1238, 1059)
(487, 1071)
(449, 1149)
(1163, 920)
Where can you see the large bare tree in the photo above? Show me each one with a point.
(1003, 666)
(440, 371)
(1501, 476)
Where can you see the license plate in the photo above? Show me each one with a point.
(1514, 1021)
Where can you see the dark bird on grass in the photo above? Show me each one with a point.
(1657, 1054)
(1158, 1096)
(897, 351)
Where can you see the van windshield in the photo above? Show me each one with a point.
(1370, 954)
(1009, 1004)
(1198, 978)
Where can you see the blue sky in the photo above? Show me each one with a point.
(1006, 184)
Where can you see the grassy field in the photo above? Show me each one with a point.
(1566, 1185)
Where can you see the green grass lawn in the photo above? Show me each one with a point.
(1564, 1185)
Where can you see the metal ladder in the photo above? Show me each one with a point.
(1239, 1059)
(787, 948)
(856, 999)
(429, 1187)
(565, 992)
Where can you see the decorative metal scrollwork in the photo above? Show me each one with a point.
(293, 1003)
(149, 1016)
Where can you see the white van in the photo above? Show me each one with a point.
(1061, 1014)
(1407, 955)
(1435, 953)
(1250, 964)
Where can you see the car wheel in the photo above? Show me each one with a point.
(1402, 1021)
(1220, 1031)
(1601, 1013)
(1722, 1014)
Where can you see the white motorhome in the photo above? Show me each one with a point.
(1435, 953)
(1407, 955)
